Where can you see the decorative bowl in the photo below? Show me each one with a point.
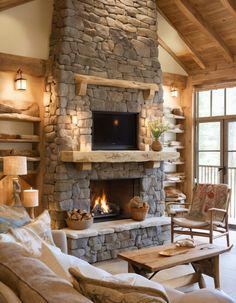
(79, 224)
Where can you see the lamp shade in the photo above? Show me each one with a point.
(14, 165)
(30, 198)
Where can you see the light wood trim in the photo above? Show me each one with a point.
(194, 54)
(32, 66)
(83, 80)
(179, 81)
(193, 15)
(171, 53)
(209, 77)
(6, 4)
(230, 6)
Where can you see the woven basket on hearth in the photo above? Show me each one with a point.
(139, 214)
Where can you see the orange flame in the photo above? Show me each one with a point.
(102, 201)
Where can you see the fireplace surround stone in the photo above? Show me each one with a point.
(113, 40)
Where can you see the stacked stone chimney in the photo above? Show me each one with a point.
(114, 39)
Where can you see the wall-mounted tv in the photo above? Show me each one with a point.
(114, 131)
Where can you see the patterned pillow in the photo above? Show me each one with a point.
(42, 227)
(12, 216)
(116, 290)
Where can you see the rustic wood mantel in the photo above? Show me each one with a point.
(149, 89)
(85, 159)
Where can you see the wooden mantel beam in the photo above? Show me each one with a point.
(194, 54)
(193, 15)
(6, 4)
(172, 54)
(230, 6)
(149, 89)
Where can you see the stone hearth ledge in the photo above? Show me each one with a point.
(111, 227)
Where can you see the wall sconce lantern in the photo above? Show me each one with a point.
(20, 82)
(173, 91)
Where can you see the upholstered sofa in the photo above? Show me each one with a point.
(33, 271)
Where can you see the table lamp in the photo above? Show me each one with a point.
(31, 200)
(15, 166)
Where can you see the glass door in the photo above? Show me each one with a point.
(231, 163)
(215, 137)
(209, 152)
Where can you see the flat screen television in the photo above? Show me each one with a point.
(114, 131)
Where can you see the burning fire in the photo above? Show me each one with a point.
(101, 204)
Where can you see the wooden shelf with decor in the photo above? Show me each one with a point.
(173, 141)
(20, 137)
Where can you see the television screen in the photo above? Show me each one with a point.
(114, 131)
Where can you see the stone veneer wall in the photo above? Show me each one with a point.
(107, 243)
(110, 39)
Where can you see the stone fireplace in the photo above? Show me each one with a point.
(103, 58)
(115, 194)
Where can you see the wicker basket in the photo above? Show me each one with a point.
(139, 214)
(77, 224)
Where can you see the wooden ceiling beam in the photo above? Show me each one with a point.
(6, 4)
(193, 15)
(172, 54)
(230, 6)
(32, 66)
(193, 53)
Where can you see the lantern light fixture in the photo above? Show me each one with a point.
(174, 91)
(20, 82)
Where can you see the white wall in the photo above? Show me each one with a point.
(168, 64)
(25, 29)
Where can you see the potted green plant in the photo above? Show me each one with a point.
(157, 127)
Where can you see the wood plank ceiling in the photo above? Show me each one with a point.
(209, 30)
(5, 4)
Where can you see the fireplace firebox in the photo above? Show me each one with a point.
(110, 198)
(114, 130)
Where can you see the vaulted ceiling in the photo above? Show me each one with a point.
(208, 29)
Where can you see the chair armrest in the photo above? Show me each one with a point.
(217, 209)
(59, 238)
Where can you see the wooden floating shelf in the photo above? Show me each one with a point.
(174, 163)
(172, 116)
(149, 89)
(30, 159)
(20, 140)
(175, 131)
(19, 117)
(85, 159)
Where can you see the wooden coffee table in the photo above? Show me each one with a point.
(204, 259)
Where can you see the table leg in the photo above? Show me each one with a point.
(216, 271)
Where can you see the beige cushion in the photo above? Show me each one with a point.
(32, 280)
(7, 295)
(184, 222)
(116, 290)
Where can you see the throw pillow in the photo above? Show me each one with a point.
(42, 227)
(12, 216)
(127, 288)
(32, 280)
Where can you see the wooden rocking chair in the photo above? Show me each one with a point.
(208, 213)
